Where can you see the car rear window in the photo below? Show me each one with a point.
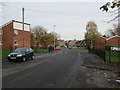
(20, 50)
(58, 47)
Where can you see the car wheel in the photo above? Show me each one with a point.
(32, 57)
(24, 59)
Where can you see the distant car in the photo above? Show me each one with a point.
(21, 54)
(57, 48)
(115, 48)
(70, 47)
(74, 47)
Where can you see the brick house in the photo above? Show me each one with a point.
(100, 43)
(12, 36)
(115, 40)
(73, 43)
(81, 43)
(61, 42)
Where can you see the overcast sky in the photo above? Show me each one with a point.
(70, 18)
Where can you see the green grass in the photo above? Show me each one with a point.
(0, 54)
(112, 56)
(81, 48)
(40, 50)
(5, 53)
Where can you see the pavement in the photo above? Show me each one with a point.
(110, 71)
(67, 68)
(98, 74)
(94, 60)
(99, 70)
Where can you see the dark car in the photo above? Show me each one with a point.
(21, 54)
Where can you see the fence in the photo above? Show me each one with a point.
(100, 53)
(107, 56)
(112, 56)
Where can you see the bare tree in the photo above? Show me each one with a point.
(114, 8)
(114, 31)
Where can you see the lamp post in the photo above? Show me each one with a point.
(54, 35)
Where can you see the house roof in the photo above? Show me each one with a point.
(11, 22)
(103, 38)
(113, 37)
(73, 42)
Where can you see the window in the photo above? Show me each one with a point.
(31, 50)
(1, 43)
(15, 32)
(16, 42)
(1, 32)
(27, 50)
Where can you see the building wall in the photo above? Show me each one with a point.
(80, 44)
(7, 37)
(72, 43)
(61, 43)
(100, 43)
(114, 41)
(19, 38)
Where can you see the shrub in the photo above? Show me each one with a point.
(62, 46)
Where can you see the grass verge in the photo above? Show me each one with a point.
(112, 56)
(4, 53)
(40, 50)
(81, 48)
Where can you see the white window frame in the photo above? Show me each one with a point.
(1, 43)
(15, 32)
(1, 32)
(16, 43)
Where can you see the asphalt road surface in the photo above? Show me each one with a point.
(60, 69)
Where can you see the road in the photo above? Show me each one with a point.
(60, 69)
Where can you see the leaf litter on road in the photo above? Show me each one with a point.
(116, 78)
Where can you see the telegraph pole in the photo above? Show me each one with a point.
(74, 37)
(22, 27)
(54, 36)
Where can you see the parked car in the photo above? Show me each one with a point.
(57, 48)
(21, 54)
(115, 48)
(70, 47)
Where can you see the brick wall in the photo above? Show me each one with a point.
(100, 43)
(19, 38)
(7, 37)
(114, 41)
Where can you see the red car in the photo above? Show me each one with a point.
(57, 48)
